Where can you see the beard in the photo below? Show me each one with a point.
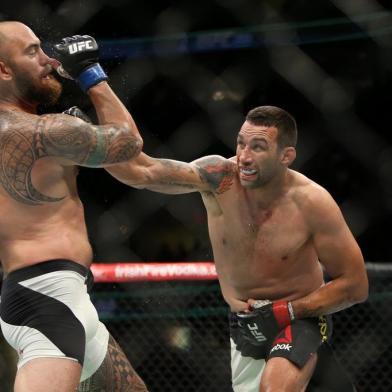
(264, 177)
(42, 91)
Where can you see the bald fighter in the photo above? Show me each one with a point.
(272, 230)
(46, 312)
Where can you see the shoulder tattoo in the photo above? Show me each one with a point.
(50, 136)
(18, 153)
(218, 172)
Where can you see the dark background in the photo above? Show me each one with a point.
(190, 70)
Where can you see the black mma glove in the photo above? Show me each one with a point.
(78, 56)
(265, 320)
(76, 112)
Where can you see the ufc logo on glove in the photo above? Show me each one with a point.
(258, 335)
(80, 46)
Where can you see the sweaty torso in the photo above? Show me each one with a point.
(262, 252)
(41, 216)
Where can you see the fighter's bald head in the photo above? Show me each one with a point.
(9, 31)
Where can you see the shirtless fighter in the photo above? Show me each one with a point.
(46, 313)
(272, 231)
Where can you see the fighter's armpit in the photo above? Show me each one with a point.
(217, 171)
(85, 144)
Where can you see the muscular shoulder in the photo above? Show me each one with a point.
(218, 172)
(314, 201)
(12, 122)
(15, 121)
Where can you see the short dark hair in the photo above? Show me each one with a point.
(272, 116)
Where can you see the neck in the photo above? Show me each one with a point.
(18, 105)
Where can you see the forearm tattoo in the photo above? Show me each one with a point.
(54, 136)
(172, 175)
(217, 172)
(114, 375)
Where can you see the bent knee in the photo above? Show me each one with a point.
(284, 376)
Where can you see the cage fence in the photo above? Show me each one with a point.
(176, 335)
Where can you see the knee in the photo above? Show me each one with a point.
(266, 386)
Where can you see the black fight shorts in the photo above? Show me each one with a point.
(297, 342)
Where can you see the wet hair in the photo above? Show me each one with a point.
(272, 116)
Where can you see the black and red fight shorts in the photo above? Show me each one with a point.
(297, 342)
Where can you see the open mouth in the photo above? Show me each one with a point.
(248, 174)
(48, 77)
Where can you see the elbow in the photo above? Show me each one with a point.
(364, 294)
(360, 290)
(138, 146)
(131, 143)
(135, 140)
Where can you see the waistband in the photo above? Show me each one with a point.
(45, 267)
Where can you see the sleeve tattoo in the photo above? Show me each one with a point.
(170, 176)
(115, 374)
(83, 144)
(86, 144)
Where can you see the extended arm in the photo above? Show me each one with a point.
(207, 174)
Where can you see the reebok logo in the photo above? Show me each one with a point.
(284, 346)
(254, 330)
(284, 336)
(80, 46)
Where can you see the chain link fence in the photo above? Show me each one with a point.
(177, 337)
(188, 71)
(176, 334)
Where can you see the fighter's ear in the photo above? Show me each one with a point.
(5, 71)
(288, 156)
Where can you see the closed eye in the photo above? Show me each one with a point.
(31, 50)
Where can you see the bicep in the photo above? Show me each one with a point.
(74, 141)
(336, 247)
